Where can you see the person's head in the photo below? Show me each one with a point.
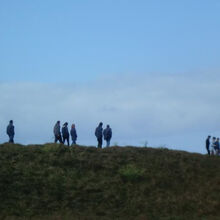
(209, 137)
(65, 124)
(11, 121)
(213, 138)
(217, 139)
(107, 126)
(100, 124)
(58, 122)
(73, 125)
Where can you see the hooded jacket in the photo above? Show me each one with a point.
(98, 131)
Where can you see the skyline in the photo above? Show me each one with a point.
(148, 68)
(176, 115)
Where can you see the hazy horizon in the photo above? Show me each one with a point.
(148, 68)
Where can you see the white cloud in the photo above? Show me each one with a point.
(138, 107)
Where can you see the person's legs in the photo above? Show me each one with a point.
(107, 143)
(11, 139)
(56, 139)
(68, 141)
(73, 141)
(99, 142)
(208, 150)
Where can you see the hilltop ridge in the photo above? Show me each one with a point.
(53, 181)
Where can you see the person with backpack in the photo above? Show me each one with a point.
(107, 133)
(208, 144)
(10, 131)
(98, 134)
(73, 134)
(65, 133)
(57, 134)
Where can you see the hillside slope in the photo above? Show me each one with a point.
(53, 181)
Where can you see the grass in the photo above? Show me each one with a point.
(53, 181)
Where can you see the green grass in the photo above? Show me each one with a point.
(53, 181)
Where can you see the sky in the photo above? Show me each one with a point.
(150, 69)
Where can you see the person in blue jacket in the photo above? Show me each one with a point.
(98, 134)
(10, 131)
(107, 133)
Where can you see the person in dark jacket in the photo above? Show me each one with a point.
(65, 133)
(57, 134)
(107, 133)
(10, 131)
(98, 134)
(217, 146)
(208, 144)
(73, 134)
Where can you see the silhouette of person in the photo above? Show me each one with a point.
(207, 143)
(10, 131)
(107, 133)
(98, 134)
(213, 146)
(217, 146)
(73, 134)
(65, 133)
(57, 134)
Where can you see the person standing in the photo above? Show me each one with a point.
(10, 131)
(213, 147)
(208, 144)
(107, 133)
(65, 133)
(217, 146)
(98, 134)
(73, 134)
(57, 134)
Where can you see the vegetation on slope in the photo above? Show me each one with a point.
(53, 181)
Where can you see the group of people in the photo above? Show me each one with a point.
(63, 135)
(214, 143)
(62, 138)
(99, 133)
(106, 133)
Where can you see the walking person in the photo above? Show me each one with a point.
(57, 134)
(73, 134)
(213, 146)
(65, 133)
(98, 134)
(217, 146)
(208, 144)
(10, 131)
(107, 133)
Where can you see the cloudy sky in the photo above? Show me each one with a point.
(150, 69)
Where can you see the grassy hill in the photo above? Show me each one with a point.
(53, 181)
